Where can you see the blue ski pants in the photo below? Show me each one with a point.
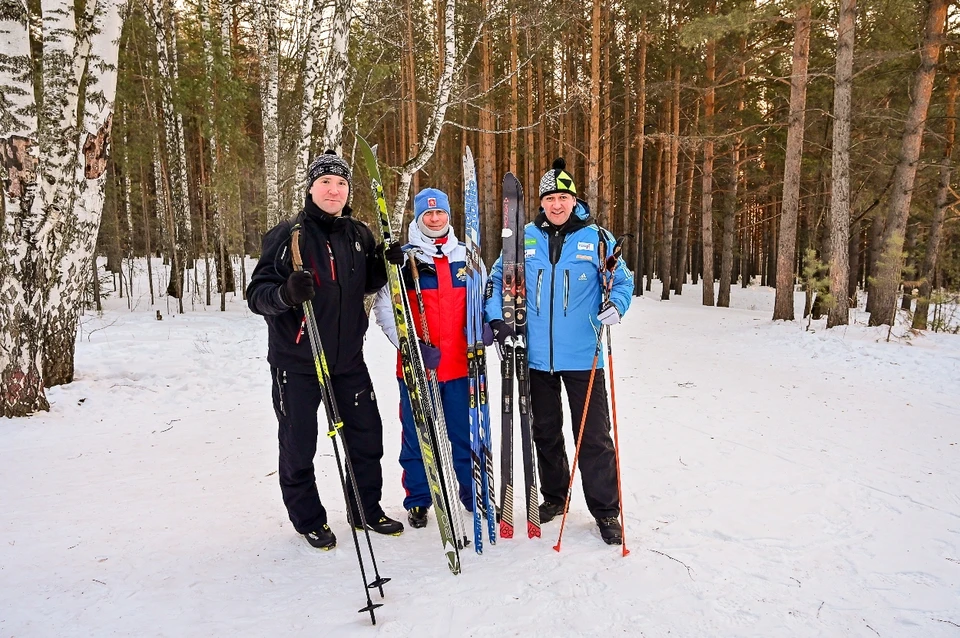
(455, 397)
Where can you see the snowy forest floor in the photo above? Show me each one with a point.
(777, 482)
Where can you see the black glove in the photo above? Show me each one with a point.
(298, 288)
(394, 254)
(502, 331)
(431, 356)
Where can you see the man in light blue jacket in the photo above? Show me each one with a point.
(565, 312)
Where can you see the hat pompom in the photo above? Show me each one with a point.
(329, 152)
(559, 164)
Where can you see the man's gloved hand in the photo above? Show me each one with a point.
(609, 315)
(487, 335)
(394, 254)
(431, 356)
(298, 288)
(502, 331)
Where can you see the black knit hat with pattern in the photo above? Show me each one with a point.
(328, 164)
(557, 180)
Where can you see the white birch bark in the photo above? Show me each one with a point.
(336, 78)
(82, 221)
(269, 92)
(437, 117)
(22, 259)
(312, 79)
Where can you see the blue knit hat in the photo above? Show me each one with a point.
(431, 199)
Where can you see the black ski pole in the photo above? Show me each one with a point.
(334, 426)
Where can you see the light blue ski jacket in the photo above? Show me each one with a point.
(563, 296)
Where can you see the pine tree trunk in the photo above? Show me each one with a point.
(934, 240)
(640, 142)
(706, 199)
(490, 212)
(729, 229)
(670, 188)
(787, 246)
(890, 264)
(593, 156)
(840, 190)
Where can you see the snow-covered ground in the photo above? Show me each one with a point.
(777, 482)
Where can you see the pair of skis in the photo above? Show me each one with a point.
(515, 365)
(425, 405)
(480, 440)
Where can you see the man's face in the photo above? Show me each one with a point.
(435, 219)
(558, 207)
(329, 193)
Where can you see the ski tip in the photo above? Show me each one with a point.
(626, 552)
(506, 530)
(556, 547)
(533, 531)
(506, 232)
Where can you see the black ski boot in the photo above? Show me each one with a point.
(549, 511)
(610, 530)
(323, 538)
(417, 516)
(382, 524)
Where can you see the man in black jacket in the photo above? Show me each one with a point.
(341, 263)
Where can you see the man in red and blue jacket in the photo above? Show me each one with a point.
(442, 268)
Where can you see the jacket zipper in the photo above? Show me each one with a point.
(566, 291)
(539, 285)
(280, 384)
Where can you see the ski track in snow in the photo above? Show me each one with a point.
(777, 482)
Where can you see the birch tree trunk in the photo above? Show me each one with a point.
(336, 80)
(313, 79)
(930, 258)
(76, 256)
(840, 190)
(174, 159)
(269, 94)
(787, 245)
(24, 263)
(890, 264)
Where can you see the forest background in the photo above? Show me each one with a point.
(774, 143)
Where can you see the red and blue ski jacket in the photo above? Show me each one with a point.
(443, 282)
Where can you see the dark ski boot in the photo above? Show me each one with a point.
(549, 511)
(323, 538)
(383, 524)
(610, 530)
(417, 516)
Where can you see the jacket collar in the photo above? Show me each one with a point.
(325, 220)
(416, 238)
(579, 218)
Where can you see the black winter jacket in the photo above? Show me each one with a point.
(343, 256)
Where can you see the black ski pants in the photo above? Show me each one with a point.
(597, 461)
(296, 400)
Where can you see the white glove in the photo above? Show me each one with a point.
(609, 315)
